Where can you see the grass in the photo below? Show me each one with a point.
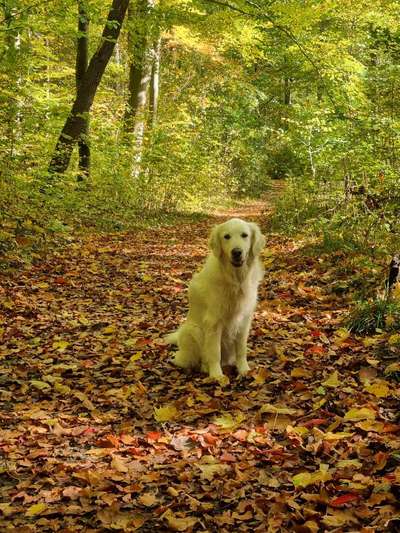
(369, 316)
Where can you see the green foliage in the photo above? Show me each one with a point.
(304, 91)
(379, 313)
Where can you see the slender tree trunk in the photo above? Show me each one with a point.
(139, 79)
(140, 62)
(82, 60)
(13, 59)
(140, 117)
(155, 82)
(76, 120)
(287, 96)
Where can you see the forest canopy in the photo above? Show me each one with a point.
(111, 112)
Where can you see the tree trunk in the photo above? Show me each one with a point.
(12, 59)
(76, 120)
(287, 96)
(139, 79)
(82, 59)
(140, 62)
(155, 82)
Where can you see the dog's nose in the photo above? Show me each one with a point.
(237, 253)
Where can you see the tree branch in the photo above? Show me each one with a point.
(284, 30)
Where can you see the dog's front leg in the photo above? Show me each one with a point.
(241, 346)
(212, 350)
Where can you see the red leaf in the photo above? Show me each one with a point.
(318, 350)
(228, 458)
(314, 422)
(316, 333)
(153, 435)
(108, 441)
(210, 439)
(344, 498)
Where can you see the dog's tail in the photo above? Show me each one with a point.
(172, 338)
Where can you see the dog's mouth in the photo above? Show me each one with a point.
(237, 262)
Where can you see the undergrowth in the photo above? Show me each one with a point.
(378, 314)
(360, 223)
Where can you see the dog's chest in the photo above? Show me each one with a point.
(239, 303)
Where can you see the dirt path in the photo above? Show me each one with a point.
(100, 432)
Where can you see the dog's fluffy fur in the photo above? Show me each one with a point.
(222, 299)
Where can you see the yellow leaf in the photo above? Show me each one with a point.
(379, 389)
(332, 381)
(396, 292)
(109, 329)
(177, 523)
(311, 526)
(390, 320)
(166, 413)
(41, 385)
(7, 509)
(337, 436)
(209, 471)
(190, 401)
(261, 376)
(281, 410)
(391, 369)
(63, 389)
(84, 399)
(135, 357)
(349, 463)
(371, 425)
(370, 341)
(36, 509)
(394, 339)
(60, 345)
(227, 421)
(299, 372)
(309, 478)
(341, 335)
(360, 414)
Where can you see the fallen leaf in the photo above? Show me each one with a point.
(178, 523)
(166, 413)
(332, 380)
(380, 389)
(228, 421)
(282, 410)
(364, 413)
(36, 509)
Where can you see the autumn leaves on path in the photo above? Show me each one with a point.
(101, 432)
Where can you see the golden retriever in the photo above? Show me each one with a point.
(222, 299)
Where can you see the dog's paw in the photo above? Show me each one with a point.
(243, 367)
(216, 373)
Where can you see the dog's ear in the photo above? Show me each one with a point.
(257, 239)
(215, 242)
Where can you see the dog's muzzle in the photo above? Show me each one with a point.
(237, 257)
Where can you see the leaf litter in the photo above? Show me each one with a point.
(101, 432)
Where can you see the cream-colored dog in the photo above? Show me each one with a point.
(222, 299)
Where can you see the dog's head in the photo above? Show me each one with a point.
(236, 241)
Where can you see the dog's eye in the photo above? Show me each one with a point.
(227, 236)
(244, 235)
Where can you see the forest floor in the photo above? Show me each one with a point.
(100, 432)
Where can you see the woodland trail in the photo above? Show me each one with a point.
(101, 432)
